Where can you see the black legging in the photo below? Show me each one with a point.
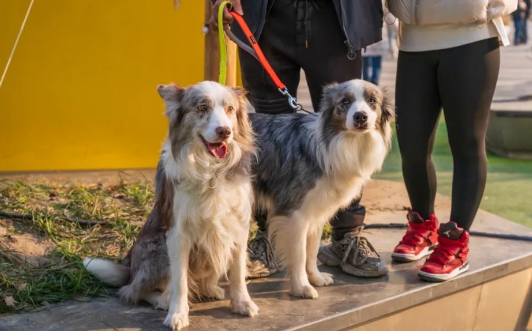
(461, 80)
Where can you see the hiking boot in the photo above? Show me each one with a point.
(449, 259)
(261, 260)
(420, 239)
(354, 255)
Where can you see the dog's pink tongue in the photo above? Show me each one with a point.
(220, 151)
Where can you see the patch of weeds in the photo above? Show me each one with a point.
(59, 276)
(326, 234)
(139, 194)
(25, 286)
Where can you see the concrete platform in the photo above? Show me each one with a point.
(493, 295)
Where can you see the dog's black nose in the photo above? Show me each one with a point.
(223, 132)
(360, 117)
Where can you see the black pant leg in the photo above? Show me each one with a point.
(418, 108)
(467, 77)
(277, 42)
(346, 220)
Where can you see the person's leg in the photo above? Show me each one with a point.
(277, 42)
(366, 65)
(525, 23)
(376, 64)
(525, 30)
(517, 28)
(467, 79)
(521, 32)
(326, 71)
(321, 50)
(417, 111)
(262, 93)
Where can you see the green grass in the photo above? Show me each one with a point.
(60, 275)
(508, 190)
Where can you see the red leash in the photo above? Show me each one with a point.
(256, 52)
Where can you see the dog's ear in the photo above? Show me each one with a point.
(387, 108)
(329, 94)
(243, 131)
(172, 94)
(239, 91)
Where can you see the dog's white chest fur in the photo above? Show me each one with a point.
(214, 224)
(218, 212)
(212, 219)
(349, 171)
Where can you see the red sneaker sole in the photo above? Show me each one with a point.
(398, 257)
(443, 277)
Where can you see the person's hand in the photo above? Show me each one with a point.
(228, 18)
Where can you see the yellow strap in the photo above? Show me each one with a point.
(223, 47)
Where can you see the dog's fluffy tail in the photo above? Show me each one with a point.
(107, 271)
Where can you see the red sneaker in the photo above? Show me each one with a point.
(420, 239)
(449, 259)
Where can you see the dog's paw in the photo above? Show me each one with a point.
(246, 308)
(157, 299)
(306, 291)
(177, 320)
(162, 304)
(214, 292)
(320, 279)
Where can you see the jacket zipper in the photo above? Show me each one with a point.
(351, 54)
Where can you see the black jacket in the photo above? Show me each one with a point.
(361, 21)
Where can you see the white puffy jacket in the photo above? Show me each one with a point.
(435, 12)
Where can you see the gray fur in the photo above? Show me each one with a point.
(149, 267)
(286, 167)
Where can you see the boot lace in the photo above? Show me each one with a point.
(363, 249)
(261, 249)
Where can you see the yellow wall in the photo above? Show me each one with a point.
(81, 89)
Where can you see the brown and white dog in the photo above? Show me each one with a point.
(198, 229)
